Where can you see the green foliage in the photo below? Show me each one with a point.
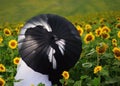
(41, 84)
(7, 54)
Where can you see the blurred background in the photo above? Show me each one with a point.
(22, 10)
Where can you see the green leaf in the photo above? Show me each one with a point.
(62, 81)
(78, 83)
(113, 80)
(107, 56)
(70, 81)
(116, 63)
(104, 72)
(83, 77)
(41, 84)
(96, 81)
(1, 45)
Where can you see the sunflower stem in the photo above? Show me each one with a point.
(98, 62)
(98, 59)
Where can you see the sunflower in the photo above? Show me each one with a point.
(118, 19)
(21, 25)
(98, 32)
(2, 68)
(7, 32)
(88, 27)
(17, 30)
(12, 44)
(2, 82)
(65, 74)
(105, 29)
(16, 60)
(116, 52)
(1, 39)
(102, 20)
(97, 69)
(101, 48)
(105, 35)
(114, 42)
(89, 37)
(118, 34)
(118, 25)
(80, 30)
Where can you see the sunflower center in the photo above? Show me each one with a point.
(104, 35)
(105, 30)
(89, 38)
(17, 61)
(1, 83)
(101, 50)
(1, 68)
(13, 44)
(7, 32)
(117, 53)
(114, 41)
(65, 75)
(79, 31)
(118, 26)
(98, 32)
(98, 69)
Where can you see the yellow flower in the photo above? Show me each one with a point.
(65, 74)
(114, 44)
(114, 41)
(98, 32)
(102, 20)
(2, 68)
(101, 48)
(21, 25)
(97, 69)
(118, 34)
(16, 60)
(7, 32)
(32, 85)
(89, 37)
(118, 25)
(105, 29)
(88, 27)
(12, 44)
(118, 19)
(2, 82)
(1, 39)
(80, 30)
(116, 52)
(17, 30)
(105, 35)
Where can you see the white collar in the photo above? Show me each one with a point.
(29, 76)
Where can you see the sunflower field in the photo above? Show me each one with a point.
(99, 63)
